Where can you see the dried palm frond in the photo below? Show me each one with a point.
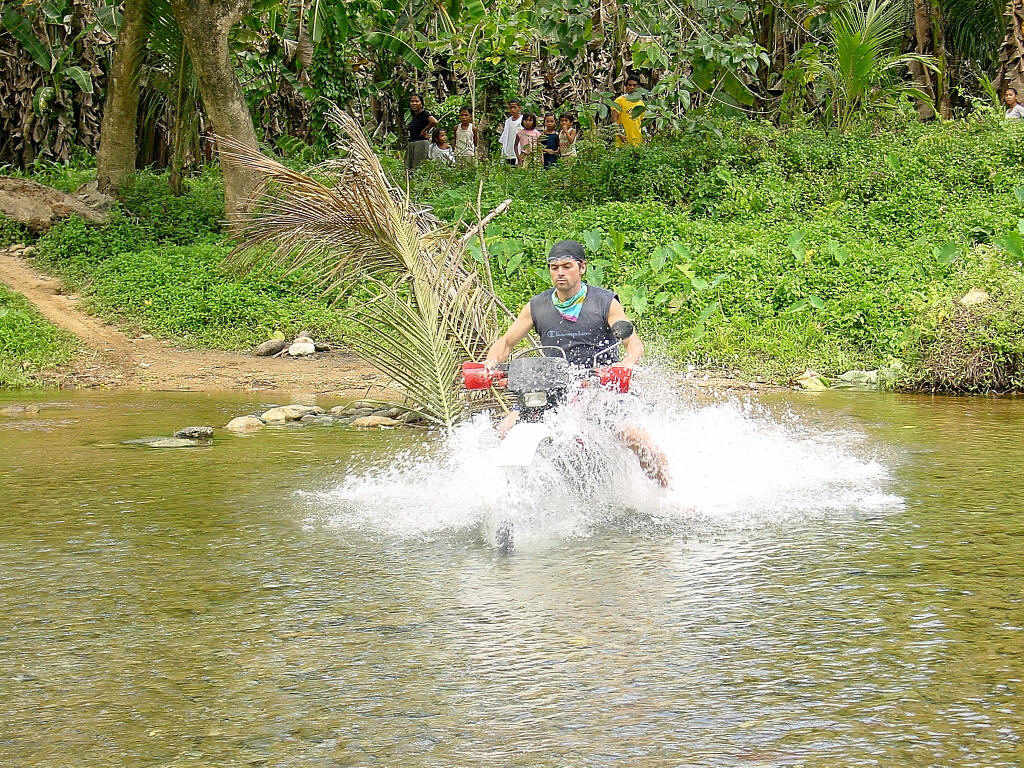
(344, 224)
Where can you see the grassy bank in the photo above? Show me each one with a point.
(768, 251)
(741, 246)
(28, 343)
(160, 267)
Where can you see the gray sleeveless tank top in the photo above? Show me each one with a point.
(580, 340)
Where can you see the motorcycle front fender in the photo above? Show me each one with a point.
(521, 443)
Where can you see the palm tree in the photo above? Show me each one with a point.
(346, 224)
(864, 69)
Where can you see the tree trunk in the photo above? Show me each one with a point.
(923, 44)
(1011, 52)
(115, 159)
(939, 42)
(206, 25)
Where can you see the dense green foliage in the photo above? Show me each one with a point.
(159, 267)
(28, 343)
(765, 250)
(742, 246)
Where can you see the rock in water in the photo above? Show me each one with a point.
(321, 419)
(302, 348)
(284, 413)
(375, 421)
(19, 410)
(810, 381)
(195, 433)
(163, 442)
(271, 347)
(244, 424)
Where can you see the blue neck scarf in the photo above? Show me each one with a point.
(570, 308)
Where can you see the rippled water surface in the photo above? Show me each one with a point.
(833, 580)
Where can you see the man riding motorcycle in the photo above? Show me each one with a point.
(577, 318)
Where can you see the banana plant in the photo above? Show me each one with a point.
(60, 77)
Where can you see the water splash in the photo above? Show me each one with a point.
(732, 465)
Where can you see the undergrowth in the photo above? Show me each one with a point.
(28, 343)
(741, 246)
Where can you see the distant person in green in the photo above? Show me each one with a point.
(421, 123)
(1014, 110)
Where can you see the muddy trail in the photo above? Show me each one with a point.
(113, 359)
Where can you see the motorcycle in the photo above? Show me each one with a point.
(539, 385)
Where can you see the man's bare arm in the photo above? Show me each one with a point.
(502, 348)
(634, 347)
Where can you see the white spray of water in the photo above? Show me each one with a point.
(731, 463)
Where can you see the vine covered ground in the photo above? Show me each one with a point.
(741, 246)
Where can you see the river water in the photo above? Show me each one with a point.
(834, 580)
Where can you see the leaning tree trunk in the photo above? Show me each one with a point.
(205, 25)
(115, 159)
(1011, 52)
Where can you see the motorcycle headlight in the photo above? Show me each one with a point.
(535, 399)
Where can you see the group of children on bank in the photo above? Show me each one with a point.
(522, 141)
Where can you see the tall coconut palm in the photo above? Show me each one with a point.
(864, 71)
(346, 224)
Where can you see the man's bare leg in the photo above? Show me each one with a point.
(507, 423)
(652, 461)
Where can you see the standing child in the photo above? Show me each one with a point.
(526, 140)
(550, 141)
(1014, 110)
(567, 138)
(465, 137)
(513, 123)
(440, 149)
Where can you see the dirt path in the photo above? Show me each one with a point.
(111, 358)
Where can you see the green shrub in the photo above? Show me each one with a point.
(28, 343)
(970, 334)
(168, 218)
(75, 248)
(12, 232)
(185, 292)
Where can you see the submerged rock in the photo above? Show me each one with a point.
(284, 413)
(375, 421)
(19, 410)
(163, 442)
(810, 381)
(195, 433)
(244, 424)
(321, 419)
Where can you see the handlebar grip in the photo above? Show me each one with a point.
(615, 377)
(476, 376)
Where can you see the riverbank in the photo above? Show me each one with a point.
(745, 248)
(65, 347)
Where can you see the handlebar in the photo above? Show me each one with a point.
(476, 376)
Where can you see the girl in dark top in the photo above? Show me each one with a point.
(550, 141)
(420, 125)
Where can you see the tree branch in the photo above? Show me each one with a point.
(479, 227)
